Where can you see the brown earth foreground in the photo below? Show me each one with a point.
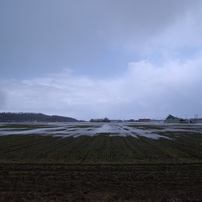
(99, 182)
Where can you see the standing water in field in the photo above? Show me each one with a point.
(90, 129)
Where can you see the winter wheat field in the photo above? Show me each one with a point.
(86, 161)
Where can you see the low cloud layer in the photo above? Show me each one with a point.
(143, 91)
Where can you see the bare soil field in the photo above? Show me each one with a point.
(61, 182)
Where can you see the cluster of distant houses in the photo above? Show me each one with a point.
(169, 119)
(173, 119)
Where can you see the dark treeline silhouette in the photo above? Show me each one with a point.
(30, 117)
(100, 120)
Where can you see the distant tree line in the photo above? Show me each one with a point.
(31, 117)
(100, 120)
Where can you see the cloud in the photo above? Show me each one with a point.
(96, 40)
(38, 37)
(181, 39)
(134, 24)
(144, 90)
(173, 88)
(2, 98)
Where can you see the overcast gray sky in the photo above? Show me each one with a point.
(95, 58)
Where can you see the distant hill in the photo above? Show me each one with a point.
(30, 117)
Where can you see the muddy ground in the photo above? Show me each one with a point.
(99, 182)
